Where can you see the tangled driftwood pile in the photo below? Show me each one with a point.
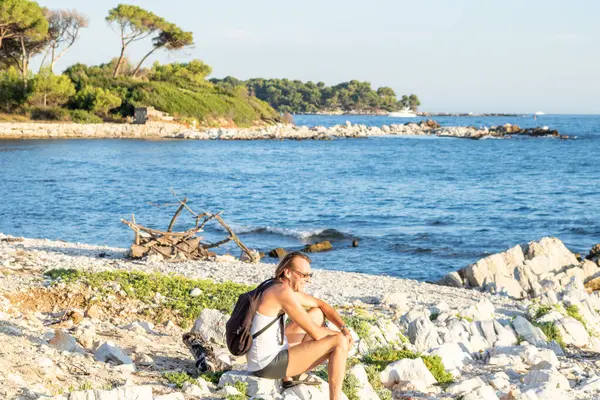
(181, 246)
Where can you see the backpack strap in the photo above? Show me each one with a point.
(279, 317)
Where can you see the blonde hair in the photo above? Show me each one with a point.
(286, 261)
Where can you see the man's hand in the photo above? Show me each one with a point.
(346, 332)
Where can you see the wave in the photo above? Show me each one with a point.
(313, 235)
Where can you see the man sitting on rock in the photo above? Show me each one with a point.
(307, 342)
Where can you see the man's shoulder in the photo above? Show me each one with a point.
(279, 290)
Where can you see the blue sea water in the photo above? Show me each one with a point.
(420, 207)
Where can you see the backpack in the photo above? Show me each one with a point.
(239, 325)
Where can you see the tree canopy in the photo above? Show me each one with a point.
(133, 23)
(63, 31)
(289, 96)
(21, 18)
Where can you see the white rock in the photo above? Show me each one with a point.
(407, 370)
(549, 377)
(589, 385)
(453, 356)
(466, 386)
(365, 390)
(573, 332)
(485, 269)
(482, 393)
(396, 300)
(140, 327)
(195, 390)
(256, 386)
(481, 311)
(64, 342)
(195, 292)
(549, 254)
(211, 326)
(527, 331)
(423, 334)
(109, 351)
(306, 392)
(172, 396)
(499, 381)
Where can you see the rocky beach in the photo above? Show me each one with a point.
(76, 322)
(163, 130)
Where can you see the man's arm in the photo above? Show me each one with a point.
(311, 302)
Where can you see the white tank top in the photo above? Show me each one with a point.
(266, 346)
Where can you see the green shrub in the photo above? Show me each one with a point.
(12, 90)
(96, 100)
(84, 117)
(176, 289)
(48, 89)
(49, 114)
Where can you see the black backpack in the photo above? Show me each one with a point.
(237, 329)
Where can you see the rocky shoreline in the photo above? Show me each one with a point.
(414, 340)
(162, 130)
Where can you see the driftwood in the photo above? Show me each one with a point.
(181, 246)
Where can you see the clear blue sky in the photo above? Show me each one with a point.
(460, 55)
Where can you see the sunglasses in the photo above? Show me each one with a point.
(302, 274)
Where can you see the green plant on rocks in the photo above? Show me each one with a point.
(360, 324)
(541, 311)
(373, 375)
(383, 356)
(551, 331)
(350, 387)
(213, 377)
(144, 287)
(573, 312)
(178, 378)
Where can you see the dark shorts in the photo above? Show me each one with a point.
(276, 368)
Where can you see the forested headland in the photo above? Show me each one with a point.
(111, 91)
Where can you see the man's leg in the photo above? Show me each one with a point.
(307, 355)
(296, 335)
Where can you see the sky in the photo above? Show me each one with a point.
(458, 56)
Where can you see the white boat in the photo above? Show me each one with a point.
(539, 113)
(404, 113)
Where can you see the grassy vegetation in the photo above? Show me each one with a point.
(174, 288)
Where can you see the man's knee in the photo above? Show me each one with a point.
(341, 342)
(317, 316)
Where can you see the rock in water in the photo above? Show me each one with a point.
(278, 252)
(318, 247)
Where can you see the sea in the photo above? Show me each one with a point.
(419, 207)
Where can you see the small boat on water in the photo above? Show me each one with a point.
(540, 113)
(404, 113)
